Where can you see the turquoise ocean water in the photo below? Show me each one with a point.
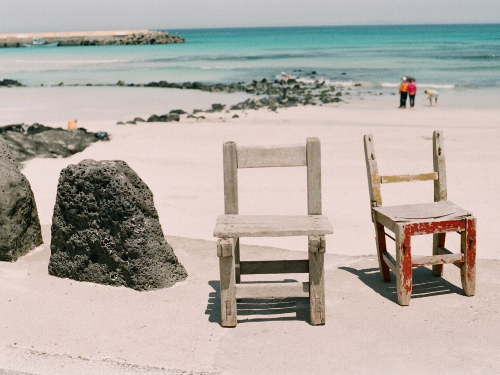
(449, 57)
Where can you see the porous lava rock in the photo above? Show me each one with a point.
(20, 229)
(105, 229)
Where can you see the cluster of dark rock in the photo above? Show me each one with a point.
(20, 229)
(263, 87)
(173, 115)
(266, 94)
(97, 39)
(150, 37)
(9, 83)
(106, 229)
(29, 141)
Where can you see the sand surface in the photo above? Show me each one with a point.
(59, 326)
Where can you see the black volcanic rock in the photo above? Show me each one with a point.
(105, 229)
(9, 82)
(20, 229)
(30, 141)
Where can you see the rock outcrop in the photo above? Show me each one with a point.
(10, 82)
(105, 229)
(92, 38)
(30, 141)
(20, 229)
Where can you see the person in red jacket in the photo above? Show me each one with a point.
(412, 91)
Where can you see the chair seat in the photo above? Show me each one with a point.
(231, 226)
(423, 212)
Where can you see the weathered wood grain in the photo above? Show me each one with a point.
(313, 150)
(408, 178)
(228, 292)
(317, 287)
(372, 172)
(443, 250)
(272, 156)
(225, 247)
(230, 179)
(423, 212)
(272, 290)
(271, 226)
(437, 259)
(317, 244)
(231, 226)
(439, 162)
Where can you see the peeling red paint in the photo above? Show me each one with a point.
(432, 227)
(471, 248)
(406, 266)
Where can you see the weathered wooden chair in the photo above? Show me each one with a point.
(437, 218)
(231, 226)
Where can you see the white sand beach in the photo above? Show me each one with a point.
(60, 326)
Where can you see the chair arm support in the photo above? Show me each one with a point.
(317, 244)
(225, 247)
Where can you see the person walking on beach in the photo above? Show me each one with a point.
(403, 90)
(412, 91)
(433, 94)
(284, 84)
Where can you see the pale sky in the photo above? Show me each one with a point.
(67, 15)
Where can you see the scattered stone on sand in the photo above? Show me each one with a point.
(9, 83)
(36, 140)
(20, 229)
(105, 229)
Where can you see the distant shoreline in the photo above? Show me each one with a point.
(85, 38)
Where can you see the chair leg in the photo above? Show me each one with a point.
(227, 287)
(468, 247)
(317, 282)
(438, 240)
(403, 265)
(237, 261)
(385, 272)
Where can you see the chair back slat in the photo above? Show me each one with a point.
(440, 189)
(372, 172)
(308, 155)
(230, 178)
(313, 149)
(272, 156)
(409, 178)
(438, 176)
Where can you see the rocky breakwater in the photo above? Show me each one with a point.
(20, 229)
(265, 94)
(92, 38)
(29, 141)
(106, 229)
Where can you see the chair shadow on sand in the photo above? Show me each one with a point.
(425, 284)
(263, 310)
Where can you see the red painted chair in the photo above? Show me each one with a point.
(437, 218)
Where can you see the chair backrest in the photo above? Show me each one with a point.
(308, 155)
(438, 176)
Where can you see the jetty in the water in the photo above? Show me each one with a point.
(89, 38)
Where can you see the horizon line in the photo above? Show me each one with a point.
(346, 25)
(277, 27)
